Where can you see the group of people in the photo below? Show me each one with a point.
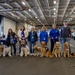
(32, 37)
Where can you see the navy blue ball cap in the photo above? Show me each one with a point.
(65, 21)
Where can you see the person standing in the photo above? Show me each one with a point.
(54, 36)
(44, 35)
(12, 40)
(65, 34)
(32, 38)
(22, 33)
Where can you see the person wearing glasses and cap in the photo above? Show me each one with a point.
(65, 34)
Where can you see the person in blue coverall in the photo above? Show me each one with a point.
(54, 36)
(44, 35)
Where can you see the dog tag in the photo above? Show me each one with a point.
(44, 38)
(32, 37)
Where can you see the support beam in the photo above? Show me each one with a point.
(57, 9)
(40, 7)
(68, 1)
(71, 14)
(32, 9)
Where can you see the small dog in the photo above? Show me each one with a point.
(1, 50)
(24, 48)
(7, 50)
(57, 49)
(37, 50)
(66, 49)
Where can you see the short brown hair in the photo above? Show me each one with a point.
(44, 27)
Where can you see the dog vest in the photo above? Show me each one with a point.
(47, 48)
(5, 46)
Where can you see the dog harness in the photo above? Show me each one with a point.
(5, 46)
(47, 49)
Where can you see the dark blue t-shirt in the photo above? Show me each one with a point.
(22, 34)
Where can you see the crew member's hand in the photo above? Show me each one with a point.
(52, 38)
(60, 38)
(56, 37)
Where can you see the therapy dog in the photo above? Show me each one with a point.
(66, 49)
(37, 50)
(45, 50)
(24, 48)
(7, 50)
(72, 55)
(57, 49)
(1, 50)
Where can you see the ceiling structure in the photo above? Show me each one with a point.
(39, 12)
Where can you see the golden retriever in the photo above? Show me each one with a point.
(66, 49)
(57, 49)
(45, 50)
(1, 50)
(37, 50)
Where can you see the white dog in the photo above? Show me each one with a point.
(24, 48)
(7, 50)
(24, 51)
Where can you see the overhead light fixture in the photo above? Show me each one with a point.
(18, 17)
(74, 12)
(23, 3)
(54, 2)
(12, 14)
(54, 19)
(54, 9)
(29, 9)
(35, 17)
(54, 13)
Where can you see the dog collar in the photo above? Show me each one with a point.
(23, 46)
